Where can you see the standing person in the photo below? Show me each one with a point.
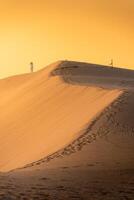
(112, 63)
(31, 67)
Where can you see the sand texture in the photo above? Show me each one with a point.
(67, 132)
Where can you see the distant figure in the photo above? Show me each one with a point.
(31, 67)
(112, 63)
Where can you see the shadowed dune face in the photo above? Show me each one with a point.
(95, 75)
(71, 126)
(41, 114)
(106, 143)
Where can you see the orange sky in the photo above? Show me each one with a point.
(44, 31)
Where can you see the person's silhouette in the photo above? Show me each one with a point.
(112, 63)
(31, 67)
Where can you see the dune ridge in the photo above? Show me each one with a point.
(87, 135)
(67, 132)
(95, 75)
(37, 108)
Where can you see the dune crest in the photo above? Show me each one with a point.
(44, 112)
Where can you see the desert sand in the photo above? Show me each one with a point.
(67, 132)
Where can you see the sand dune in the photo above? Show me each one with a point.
(41, 114)
(95, 75)
(70, 125)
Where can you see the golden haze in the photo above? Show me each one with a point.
(44, 31)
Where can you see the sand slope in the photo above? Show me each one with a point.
(41, 114)
(71, 126)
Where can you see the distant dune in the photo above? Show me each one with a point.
(70, 108)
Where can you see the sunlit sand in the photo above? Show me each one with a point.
(67, 120)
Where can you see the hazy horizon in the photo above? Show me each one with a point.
(82, 30)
